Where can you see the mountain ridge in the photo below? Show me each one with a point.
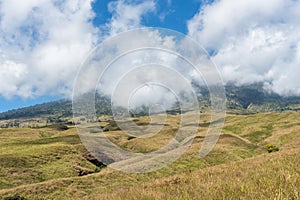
(240, 99)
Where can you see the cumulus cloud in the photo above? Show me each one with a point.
(127, 15)
(145, 65)
(252, 41)
(44, 42)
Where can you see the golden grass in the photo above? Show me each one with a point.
(239, 166)
(272, 176)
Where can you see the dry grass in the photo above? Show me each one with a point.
(34, 155)
(273, 176)
(238, 168)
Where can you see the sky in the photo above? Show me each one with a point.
(44, 42)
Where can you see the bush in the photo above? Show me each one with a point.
(272, 148)
(15, 197)
(59, 127)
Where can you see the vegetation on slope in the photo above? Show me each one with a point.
(34, 155)
(240, 99)
(43, 164)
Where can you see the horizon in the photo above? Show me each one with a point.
(229, 89)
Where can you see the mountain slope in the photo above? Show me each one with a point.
(245, 99)
(61, 108)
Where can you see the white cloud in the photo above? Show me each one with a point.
(254, 40)
(43, 42)
(125, 65)
(17, 73)
(127, 16)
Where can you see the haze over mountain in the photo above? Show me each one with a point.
(244, 99)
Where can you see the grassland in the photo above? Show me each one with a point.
(47, 163)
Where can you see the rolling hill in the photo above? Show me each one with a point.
(46, 163)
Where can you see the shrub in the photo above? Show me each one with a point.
(15, 197)
(272, 148)
(59, 127)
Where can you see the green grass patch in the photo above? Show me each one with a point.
(259, 135)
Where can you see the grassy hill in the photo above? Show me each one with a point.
(51, 163)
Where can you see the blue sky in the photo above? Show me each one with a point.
(43, 43)
(168, 14)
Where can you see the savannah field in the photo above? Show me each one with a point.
(50, 162)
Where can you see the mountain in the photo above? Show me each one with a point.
(62, 108)
(256, 154)
(56, 109)
(240, 99)
(254, 98)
